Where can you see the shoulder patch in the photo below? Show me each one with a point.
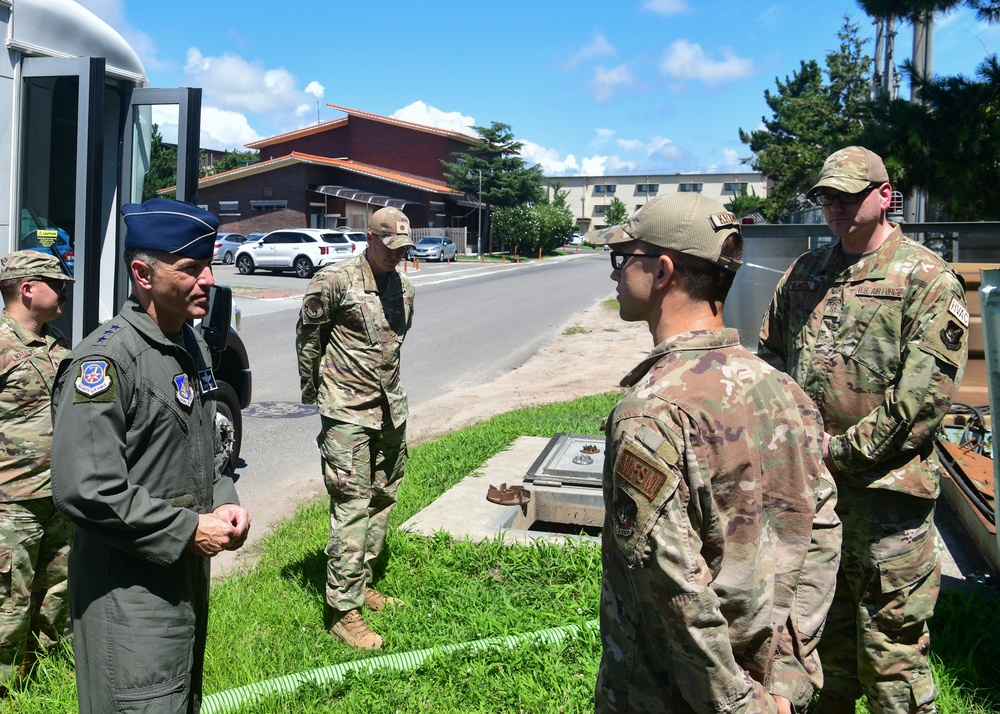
(313, 308)
(95, 382)
(958, 310)
(639, 471)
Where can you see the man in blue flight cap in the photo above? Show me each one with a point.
(134, 466)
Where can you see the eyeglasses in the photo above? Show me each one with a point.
(846, 199)
(55, 284)
(618, 259)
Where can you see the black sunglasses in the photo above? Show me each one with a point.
(847, 199)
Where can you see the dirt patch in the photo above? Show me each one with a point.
(589, 355)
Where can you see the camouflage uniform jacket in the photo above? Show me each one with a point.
(348, 339)
(720, 542)
(881, 347)
(28, 364)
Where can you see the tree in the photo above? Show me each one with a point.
(745, 204)
(518, 227)
(494, 164)
(162, 166)
(812, 119)
(234, 160)
(947, 145)
(616, 212)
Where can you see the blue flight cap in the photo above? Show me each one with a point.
(170, 227)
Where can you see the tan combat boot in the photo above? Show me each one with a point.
(377, 601)
(351, 628)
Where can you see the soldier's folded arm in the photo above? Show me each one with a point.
(90, 482)
(932, 360)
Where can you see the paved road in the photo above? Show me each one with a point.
(472, 322)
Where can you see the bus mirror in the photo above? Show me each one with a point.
(215, 325)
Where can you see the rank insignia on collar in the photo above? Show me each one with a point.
(185, 394)
(207, 381)
(93, 378)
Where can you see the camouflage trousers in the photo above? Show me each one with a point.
(34, 544)
(362, 469)
(876, 639)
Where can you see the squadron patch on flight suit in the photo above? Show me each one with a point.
(313, 308)
(185, 393)
(94, 382)
(207, 381)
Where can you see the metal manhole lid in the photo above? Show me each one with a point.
(569, 460)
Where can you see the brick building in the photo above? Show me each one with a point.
(337, 173)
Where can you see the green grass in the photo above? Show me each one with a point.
(574, 330)
(269, 622)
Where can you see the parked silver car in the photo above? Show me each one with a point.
(434, 248)
(226, 245)
(303, 250)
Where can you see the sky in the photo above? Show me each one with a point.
(589, 87)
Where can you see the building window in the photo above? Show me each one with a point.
(734, 187)
(605, 188)
(599, 209)
(647, 188)
(689, 187)
(228, 206)
(268, 205)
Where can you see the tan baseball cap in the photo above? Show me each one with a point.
(392, 226)
(686, 222)
(850, 170)
(32, 264)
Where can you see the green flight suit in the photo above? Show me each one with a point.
(133, 465)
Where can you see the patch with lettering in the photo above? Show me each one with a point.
(877, 291)
(640, 472)
(951, 336)
(313, 308)
(800, 285)
(185, 392)
(623, 513)
(207, 381)
(92, 378)
(958, 310)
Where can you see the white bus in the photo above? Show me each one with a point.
(76, 123)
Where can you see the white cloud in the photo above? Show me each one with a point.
(593, 165)
(603, 136)
(687, 60)
(597, 47)
(549, 159)
(606, 81)
(420, 113)
(655, 146)
(730, 162)
(221, 129)
(666, 7)
(316, 89)
(231, 82)
(630, 144)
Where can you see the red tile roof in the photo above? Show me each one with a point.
(410, 180)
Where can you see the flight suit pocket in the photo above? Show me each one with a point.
(169, 696)
(28, 387)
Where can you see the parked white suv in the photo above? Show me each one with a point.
(303, 250)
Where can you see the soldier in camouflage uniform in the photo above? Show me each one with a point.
(874, 328)
(34, 536)
(354, 317)
(720, 540)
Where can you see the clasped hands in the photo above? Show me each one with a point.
(225, 528)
